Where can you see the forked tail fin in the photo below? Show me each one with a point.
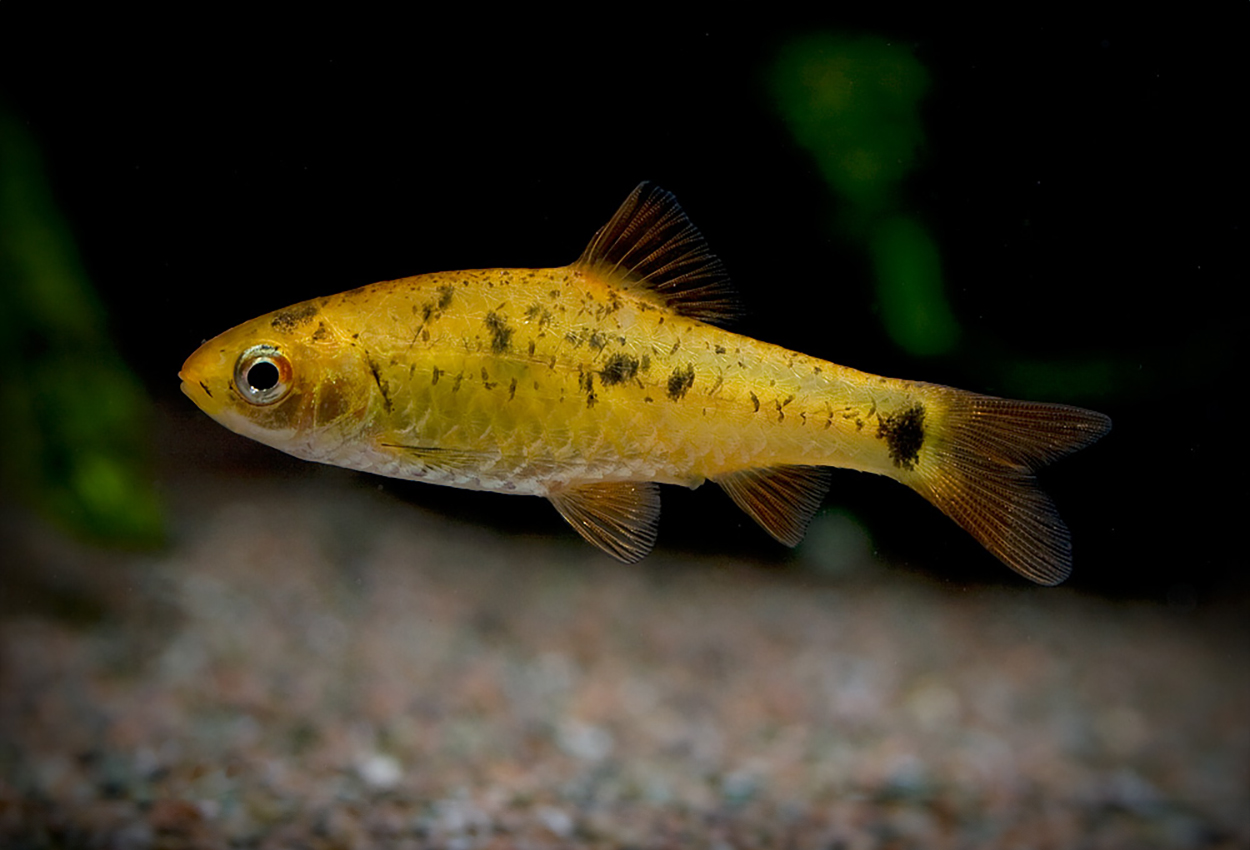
(978, 469)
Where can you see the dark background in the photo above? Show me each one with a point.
(1085, 184)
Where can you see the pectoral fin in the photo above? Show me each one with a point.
(782, 499)
(449, 462)
(622, 517)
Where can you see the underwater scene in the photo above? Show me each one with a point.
(484, 440)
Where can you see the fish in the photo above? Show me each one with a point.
(592, 384)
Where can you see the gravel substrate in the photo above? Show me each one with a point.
(313, 664)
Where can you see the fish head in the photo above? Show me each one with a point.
(289, 379)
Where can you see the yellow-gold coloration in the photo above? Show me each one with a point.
(593, 383)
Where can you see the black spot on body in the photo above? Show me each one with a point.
(598, 341)
(437, 374)
(680, 382)
(539, 313)
(321, 333)
(903, 433)
(289, 319)
(620, 368)
(755, 400)
(586, 383)
(445, 293)
(500, 332)
(382, 387)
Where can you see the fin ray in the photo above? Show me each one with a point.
(650, 247)
(620, 517)
(448, 461)
(782, 499)
(979, 472)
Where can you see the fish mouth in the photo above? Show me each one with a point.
(193, 389)
(194, 386)
(186, 387)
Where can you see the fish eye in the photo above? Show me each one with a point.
(262, 374)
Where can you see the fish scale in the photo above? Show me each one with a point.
(564, 415)
(592, 383)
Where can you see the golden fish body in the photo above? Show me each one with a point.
(592, 383)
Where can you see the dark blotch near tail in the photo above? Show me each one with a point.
(903, 433)
(680, 382)
(978, 470)
(500, 332)
(619, 369)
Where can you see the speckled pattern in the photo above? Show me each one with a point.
(314, 664)
(589, 383)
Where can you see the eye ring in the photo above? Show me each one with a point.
(262, 374)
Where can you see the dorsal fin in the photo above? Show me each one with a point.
(620, 517)
(782, 499)
(651, 247)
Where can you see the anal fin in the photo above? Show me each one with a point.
(782, 499)
(620, 517)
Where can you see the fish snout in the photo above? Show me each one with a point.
(197, 383)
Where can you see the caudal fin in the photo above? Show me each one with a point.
(978, 469)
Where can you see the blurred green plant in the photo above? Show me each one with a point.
(854, 104)
(74, 421)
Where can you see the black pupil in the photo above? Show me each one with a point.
(262, 376)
